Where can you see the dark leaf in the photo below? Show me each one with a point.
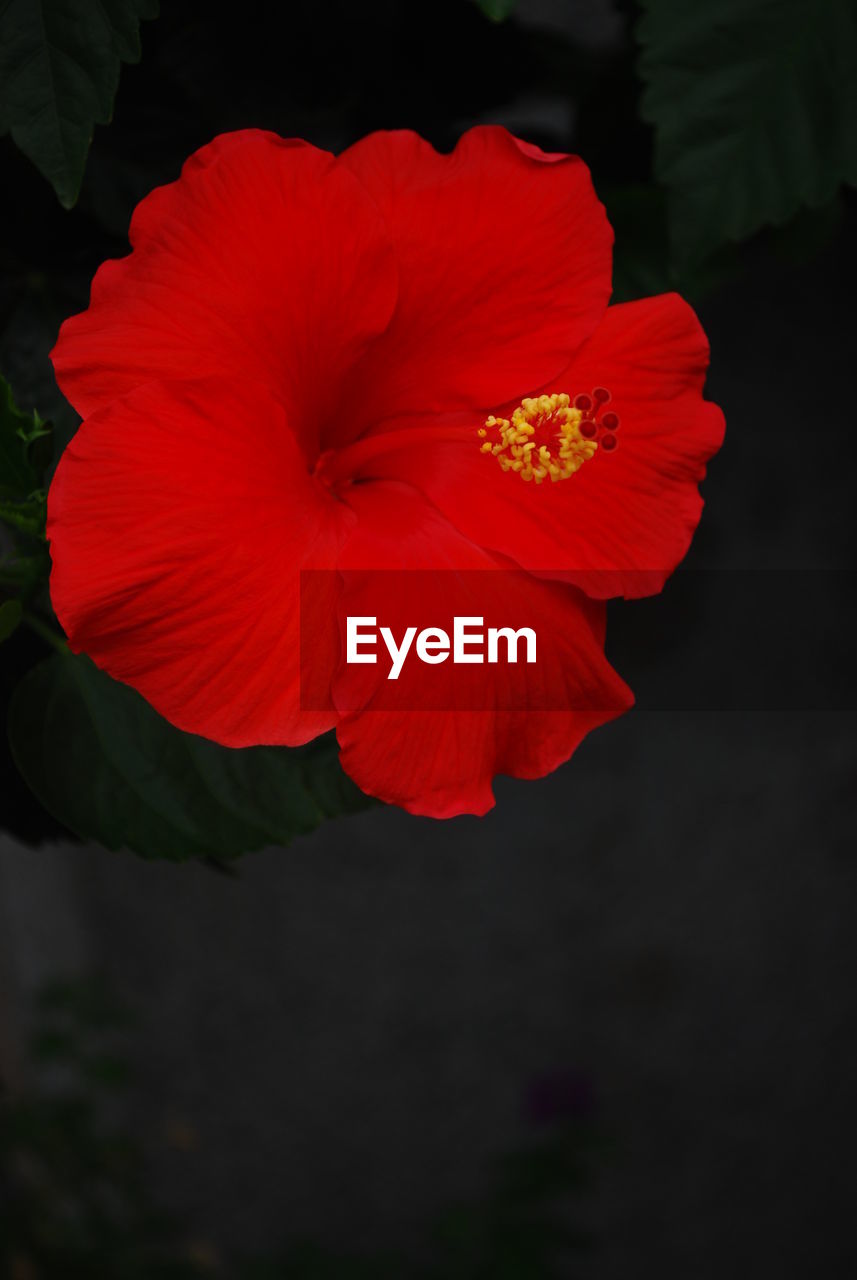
(23, 574)
(641, 252)
(497, 10)
(59, 71)
(642, 265)
(11, 613)
(104, 763)
(20, 434)
(29, 323)
(754, 105)
(28, 516)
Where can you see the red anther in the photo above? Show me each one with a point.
(610, 421)
(588, 429)
(608, 441)
(601, 395)
(583, 403)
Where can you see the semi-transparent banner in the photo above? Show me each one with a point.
(505, 640)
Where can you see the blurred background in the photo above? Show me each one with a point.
(610, 1030)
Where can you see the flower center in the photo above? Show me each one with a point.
(550, 436)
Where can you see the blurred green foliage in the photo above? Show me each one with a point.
(73, 1199)
(76, 1201)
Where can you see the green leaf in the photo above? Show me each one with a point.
(23, 574)
(11, 613)
(59, 71)
(497, 10)
(29, 322)
(104, 763)
(642, 265)
(754, 104)
(27, 516)
(20, 477)
(25, 448)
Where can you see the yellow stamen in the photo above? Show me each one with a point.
(561, 450)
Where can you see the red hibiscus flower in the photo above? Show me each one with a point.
(389, 360)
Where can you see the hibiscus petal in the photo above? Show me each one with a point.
(624, 521)
(440, 762)
(505, 264)
(179, 518)
(266, 260)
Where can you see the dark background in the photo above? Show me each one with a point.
(657, 943)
